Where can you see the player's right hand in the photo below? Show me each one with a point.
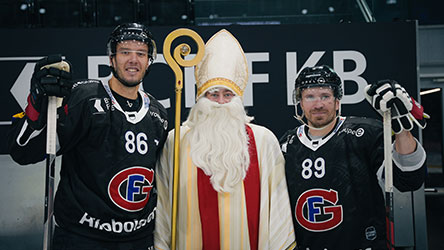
(46, 81)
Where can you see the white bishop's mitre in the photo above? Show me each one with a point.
(223, 65)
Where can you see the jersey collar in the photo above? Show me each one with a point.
(314, 145)
(131, 116)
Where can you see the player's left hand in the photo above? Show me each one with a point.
(388, 94)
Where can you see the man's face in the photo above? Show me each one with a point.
(220, 95)
(131, 61)
(319, 106)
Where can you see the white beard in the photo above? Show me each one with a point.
(219, 141)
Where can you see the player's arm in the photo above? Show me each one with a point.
(408, 154)
(25, 145)
(405, 143)
(26, 139)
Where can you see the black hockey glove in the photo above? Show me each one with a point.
(49, 79)
(388, 94)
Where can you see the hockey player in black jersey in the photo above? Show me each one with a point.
(110, 135)
(334, 164)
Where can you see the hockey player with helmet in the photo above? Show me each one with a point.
(334, 164)
(110, 135)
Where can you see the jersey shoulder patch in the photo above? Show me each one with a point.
(287, 138)
(86, 83)
(84, 90)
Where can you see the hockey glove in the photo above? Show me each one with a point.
(388, 94)
(47, 80)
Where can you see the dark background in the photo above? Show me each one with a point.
(102, 13)
(392, 57)
(79, 28)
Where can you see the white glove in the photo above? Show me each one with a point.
(388, 94)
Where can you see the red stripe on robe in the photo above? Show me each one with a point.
(208, 204)
(209, 212)
(252, 192)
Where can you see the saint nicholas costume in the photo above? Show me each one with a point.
(256, 214)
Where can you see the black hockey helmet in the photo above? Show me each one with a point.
(132, 31)
(318, 76)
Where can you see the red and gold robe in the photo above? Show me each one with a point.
(255, 216)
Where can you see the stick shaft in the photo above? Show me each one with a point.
(49, 203)
(389, 203)
(387, 122)
(50, 168)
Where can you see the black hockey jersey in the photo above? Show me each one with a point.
(106, 189)
(337, 202)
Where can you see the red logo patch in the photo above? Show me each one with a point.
(316, 210)
(130, 188)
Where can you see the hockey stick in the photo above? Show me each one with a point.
(51, 134)
(389, 205)
(50, 169)
(181, 50)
